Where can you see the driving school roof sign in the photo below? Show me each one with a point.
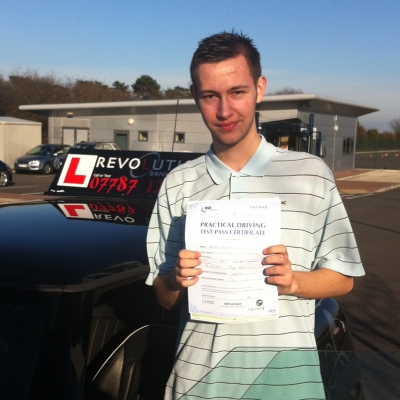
(115, 173)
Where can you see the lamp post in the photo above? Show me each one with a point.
(335, 129)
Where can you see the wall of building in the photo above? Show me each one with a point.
(160, 125)
(337, 159)
(58, 124)
(160, 130)
(17, 139)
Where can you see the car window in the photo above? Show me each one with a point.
(107, 147)
(83, 146)
(35, 151)
(46, 151)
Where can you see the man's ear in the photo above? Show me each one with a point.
(193, 92)
(261, 86)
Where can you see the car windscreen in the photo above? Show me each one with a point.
(40, 150)
(83, 146)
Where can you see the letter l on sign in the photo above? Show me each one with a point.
(77, 170)
(74, 210)
(71, 176)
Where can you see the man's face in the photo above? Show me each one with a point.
(227, 97)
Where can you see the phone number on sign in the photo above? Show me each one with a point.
(122, 185)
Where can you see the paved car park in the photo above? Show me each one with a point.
(373, 304)
(25, 185)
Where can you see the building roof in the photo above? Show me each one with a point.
(304, 102)
(17, 121)
(314, 103)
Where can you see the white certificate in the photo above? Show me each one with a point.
(231, 235)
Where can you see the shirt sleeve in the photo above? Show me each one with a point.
(335, 244)
(165, 237)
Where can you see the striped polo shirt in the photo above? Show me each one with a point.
(269, 359)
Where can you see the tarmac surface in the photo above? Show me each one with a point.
(363, 181)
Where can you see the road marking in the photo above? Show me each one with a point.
(17, 187)
(355, 196)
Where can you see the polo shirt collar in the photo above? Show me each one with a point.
(256, 166)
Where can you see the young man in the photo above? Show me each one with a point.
(317, 258)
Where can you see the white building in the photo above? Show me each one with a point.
(17, 136)
(302, 122)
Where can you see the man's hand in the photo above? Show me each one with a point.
(278, 269)
(170, 288)
(185, 272)
(317, 284)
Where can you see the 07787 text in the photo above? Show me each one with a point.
(121, 184)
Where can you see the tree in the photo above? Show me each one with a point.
(117, 85)
(372, 133)
(178, 92)
(30, 88)
(287, 90)
(361, 131)
(395, 125)
(83, 91)
(387, 135)
(147, 87)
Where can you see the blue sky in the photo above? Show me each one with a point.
(343, 49)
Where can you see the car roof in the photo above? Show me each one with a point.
(52, 144)
(65, 251)
(93, 142)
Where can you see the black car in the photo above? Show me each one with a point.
(77, 319)
(5, 174)
(41, 158)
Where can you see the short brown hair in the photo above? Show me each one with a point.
(223, 46)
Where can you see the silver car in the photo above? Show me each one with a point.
(95, 145)
(41, 158)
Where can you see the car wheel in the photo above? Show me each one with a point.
(46, 170)
(3, 178)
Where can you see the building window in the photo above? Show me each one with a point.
(179, 137)
(348, 146)
(143, 136)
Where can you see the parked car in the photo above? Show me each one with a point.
(5, 174)
(86, 146)
(96, 146)
(77, 320)
(41, 158)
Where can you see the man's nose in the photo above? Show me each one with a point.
(224, 109)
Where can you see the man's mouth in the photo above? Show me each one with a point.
(227, 127)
